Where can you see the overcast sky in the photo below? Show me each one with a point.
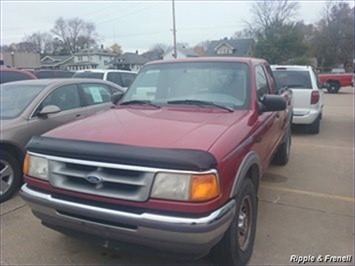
(137, 25)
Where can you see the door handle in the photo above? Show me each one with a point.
(78, 116)
(259, 139)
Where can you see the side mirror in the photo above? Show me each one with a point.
(272, 103)
(116, 97)
(49, 109)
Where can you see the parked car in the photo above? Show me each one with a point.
(13, 74)
(176, 169)
(336, 79)
(32, 107)
(53, 74)
(308, 95)
(123, 78)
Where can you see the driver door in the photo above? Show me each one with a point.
(67, 98)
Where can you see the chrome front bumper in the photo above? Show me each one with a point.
(195, 236)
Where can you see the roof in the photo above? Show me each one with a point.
(240, 46)
(64, 81)
(57, 58)
(83, 63)
(93, 51)
(9, 69)
(231, 59)
(130, 58)
(290, 67)
(186, 51)
(104, 71)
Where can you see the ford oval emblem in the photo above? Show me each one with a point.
(94, 179)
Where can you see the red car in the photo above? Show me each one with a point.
(13, 74)
(334, 81)
(174, 166)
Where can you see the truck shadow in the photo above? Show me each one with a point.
(273, 178)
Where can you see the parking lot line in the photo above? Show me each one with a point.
(309, 193)
(326, 146)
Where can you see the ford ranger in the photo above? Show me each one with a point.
(175, 165)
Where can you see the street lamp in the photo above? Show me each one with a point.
(13, 58)
(174, 29)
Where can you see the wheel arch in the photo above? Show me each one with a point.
(14, 150)
(249, 168)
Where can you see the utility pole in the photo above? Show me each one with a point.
(174, 30)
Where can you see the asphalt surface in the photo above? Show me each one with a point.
(305, 208)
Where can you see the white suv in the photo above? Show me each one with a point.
(308, 95)
(123, 78)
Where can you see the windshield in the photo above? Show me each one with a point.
(292, 79)
(225, 84)
(15, 98)
(89, 75)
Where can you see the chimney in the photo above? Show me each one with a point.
(102, 46)
(136, 51)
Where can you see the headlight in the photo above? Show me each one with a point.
(185, 187)
(36, 167)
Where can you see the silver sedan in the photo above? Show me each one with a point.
(33, 107)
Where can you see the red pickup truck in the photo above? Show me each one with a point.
(174, 165)
(334, 81)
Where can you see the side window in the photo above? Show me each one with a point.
(111, 77)
(114, 77)
(261, 82)
(272, 85)
(127, 79)
(65, 97)
(96, 93)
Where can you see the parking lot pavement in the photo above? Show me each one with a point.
(305, 208)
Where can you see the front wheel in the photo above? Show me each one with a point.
(237, 244)
(10, 174)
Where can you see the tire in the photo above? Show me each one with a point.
(11, 175)
(333, 87)
(282, 154)
(315, 126)
(233, 249)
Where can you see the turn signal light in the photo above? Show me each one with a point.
(26, 164)
(203, 187)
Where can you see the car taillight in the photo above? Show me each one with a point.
(314, 97)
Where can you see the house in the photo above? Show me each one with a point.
(91, 58)
(230, 47)
(21, 60)
(181, 52)
(129, 61)
(56, 61)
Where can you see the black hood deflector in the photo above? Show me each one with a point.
(166, 158)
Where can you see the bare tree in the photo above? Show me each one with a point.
(75, 33)
(157, 51)
(39, 42)
(271, 13)
(116, 49)
(333, 41)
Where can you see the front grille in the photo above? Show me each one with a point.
(109, 182)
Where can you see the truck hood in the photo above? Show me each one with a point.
(167, 127)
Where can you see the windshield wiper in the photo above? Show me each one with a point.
(201, 103)
(146, 102)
